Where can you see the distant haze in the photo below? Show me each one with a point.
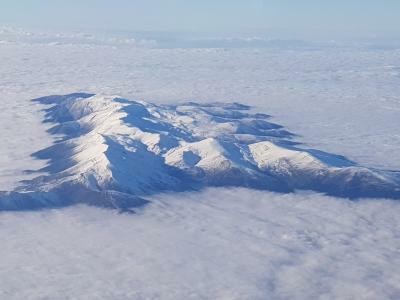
(283, 18)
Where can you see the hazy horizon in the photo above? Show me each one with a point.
(309, 19)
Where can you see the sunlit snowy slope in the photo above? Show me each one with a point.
(112, 151)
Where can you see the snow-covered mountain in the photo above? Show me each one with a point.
(113, 152)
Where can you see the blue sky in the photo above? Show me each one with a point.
(296, 18)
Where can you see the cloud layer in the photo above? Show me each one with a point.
(222, 243)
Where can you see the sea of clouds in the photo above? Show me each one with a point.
(217, 244)
(220, 243)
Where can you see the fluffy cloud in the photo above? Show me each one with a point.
(221, 243)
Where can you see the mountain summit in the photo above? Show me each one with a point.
(113, 152)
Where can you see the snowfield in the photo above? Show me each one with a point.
(112, 151)
(340, 102)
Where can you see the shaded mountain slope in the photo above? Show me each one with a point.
(113, 152)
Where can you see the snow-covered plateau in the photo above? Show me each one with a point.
(253, 173)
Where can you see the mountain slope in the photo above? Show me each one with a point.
(112, 152)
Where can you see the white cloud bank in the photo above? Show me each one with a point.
(218, 244)
(226, 244)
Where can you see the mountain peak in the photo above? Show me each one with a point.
(113, 152)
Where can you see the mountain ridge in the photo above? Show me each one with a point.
(114, 152)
